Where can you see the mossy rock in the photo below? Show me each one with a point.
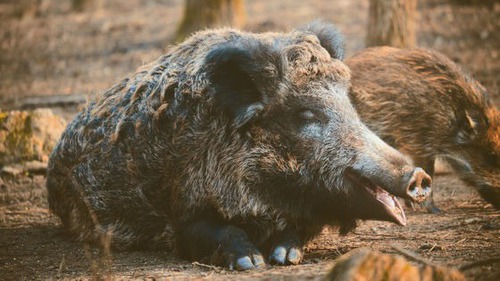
(28, 135)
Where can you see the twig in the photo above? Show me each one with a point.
(479, 263)
(212, 267)
(45, 101)
(61, 265)
(459, 241)
(411, 255)
(432, 248)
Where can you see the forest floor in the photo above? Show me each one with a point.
(53, 52)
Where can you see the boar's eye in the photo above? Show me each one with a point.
(311, 123)
(307, 114)
(312, 116)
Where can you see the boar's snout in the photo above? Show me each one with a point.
(419, 186)
(379, 175)
(375, 198)
(383, 166)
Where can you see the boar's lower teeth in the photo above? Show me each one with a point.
(388, 202)
(385, 198)
(392, 205)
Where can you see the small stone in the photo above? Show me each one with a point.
(484, 34)
(12, 171)
(35, 167)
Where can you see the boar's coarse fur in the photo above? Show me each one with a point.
(426, 106)
(231, 144)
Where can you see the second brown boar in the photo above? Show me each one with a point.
(426, 106)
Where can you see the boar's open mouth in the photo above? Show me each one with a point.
(373, 202)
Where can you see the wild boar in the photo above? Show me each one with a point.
(231, 147)
(426, 106)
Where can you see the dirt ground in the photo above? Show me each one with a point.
(49, 51)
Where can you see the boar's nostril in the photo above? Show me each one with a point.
(419, 186)
(426, 183)
(413, 187)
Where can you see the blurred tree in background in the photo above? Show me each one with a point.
(200, 14)
(391, 23)
(80, 5)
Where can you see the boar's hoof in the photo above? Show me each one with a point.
(419, 187)
(247, 262)
(283, 255)
(287, 248)
(429, 206)
(242, 255)
(432, 208)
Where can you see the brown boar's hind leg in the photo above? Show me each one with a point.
(219, 243)
(429, 204)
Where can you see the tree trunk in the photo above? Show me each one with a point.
(200, 14)
(391, 23)
(80, 5)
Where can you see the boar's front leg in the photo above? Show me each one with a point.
(287, 245)
(286, 248)
(219, 243)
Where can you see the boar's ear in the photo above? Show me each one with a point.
(241, 78)
(329, 37)
(468, 129)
